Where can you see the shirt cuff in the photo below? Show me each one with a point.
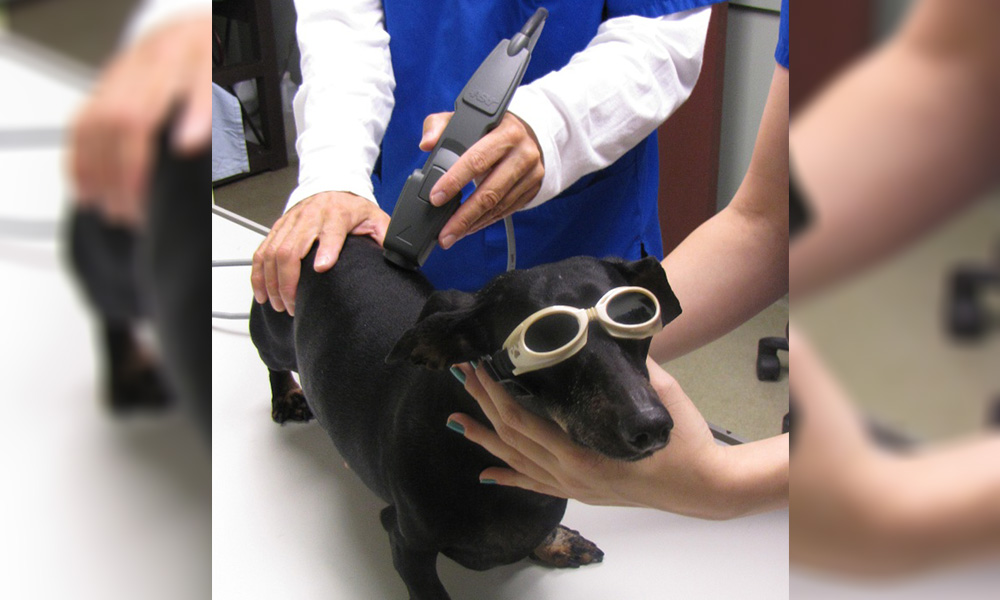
(532, 107)
(359, 184)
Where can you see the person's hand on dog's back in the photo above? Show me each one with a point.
(692, 476)
(329, 217)
(114, 138)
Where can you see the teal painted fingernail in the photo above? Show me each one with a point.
(456, 426)
(459, 375)
(488, 481)
(474, 363)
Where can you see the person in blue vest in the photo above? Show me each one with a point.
(574, 160)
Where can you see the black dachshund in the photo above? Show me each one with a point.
(371, 344)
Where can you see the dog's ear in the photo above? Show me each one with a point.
(447, 332)
(648, 273)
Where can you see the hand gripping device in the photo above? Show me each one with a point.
(416, 223)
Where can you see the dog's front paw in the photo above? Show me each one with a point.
(291, 406)
(566, 548)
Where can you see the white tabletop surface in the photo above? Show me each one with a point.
(93, 508)
(971, 582)
(290, 520)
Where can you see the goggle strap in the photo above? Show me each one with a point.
(499, 366)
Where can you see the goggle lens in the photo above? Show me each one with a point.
(631, 308)
(551, 332)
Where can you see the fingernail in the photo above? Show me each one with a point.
(437, 198)
(322, 260)
(259, 297)
(488, 481)
(456, 426)
(475, 364)
(459, 375)
(447, 241)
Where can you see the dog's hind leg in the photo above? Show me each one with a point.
(103, 256)
(134, 379)
(288, 403)
(566, 548)
(417, 568)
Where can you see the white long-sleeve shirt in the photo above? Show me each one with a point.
(633, 75)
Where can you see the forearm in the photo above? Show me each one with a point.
(736, 263)
(634, 74)
(872, 513)
(947, 505)
(733, 481)
(756, 478)
(726, 271)
(899, 143)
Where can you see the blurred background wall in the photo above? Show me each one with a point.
(86, 30)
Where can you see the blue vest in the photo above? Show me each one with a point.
(781, 51)
(435, 47)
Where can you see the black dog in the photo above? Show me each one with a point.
(387, 415)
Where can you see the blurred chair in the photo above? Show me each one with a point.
(969, 316)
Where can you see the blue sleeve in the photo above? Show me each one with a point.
(781, 52)
(652, 8)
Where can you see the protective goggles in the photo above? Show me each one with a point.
(556, 333)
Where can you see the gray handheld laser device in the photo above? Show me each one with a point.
(415, 222)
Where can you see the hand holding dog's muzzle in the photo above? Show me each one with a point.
(686, 477)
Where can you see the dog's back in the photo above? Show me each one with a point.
(346, 323)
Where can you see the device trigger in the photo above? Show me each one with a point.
(428, 184)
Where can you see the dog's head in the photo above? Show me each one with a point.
(601, 395)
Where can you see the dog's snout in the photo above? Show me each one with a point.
(647, 428)
(647, 431)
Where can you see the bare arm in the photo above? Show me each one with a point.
(903, 140)
(744, 247)
(860, 510)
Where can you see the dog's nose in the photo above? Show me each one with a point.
(647, 429)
